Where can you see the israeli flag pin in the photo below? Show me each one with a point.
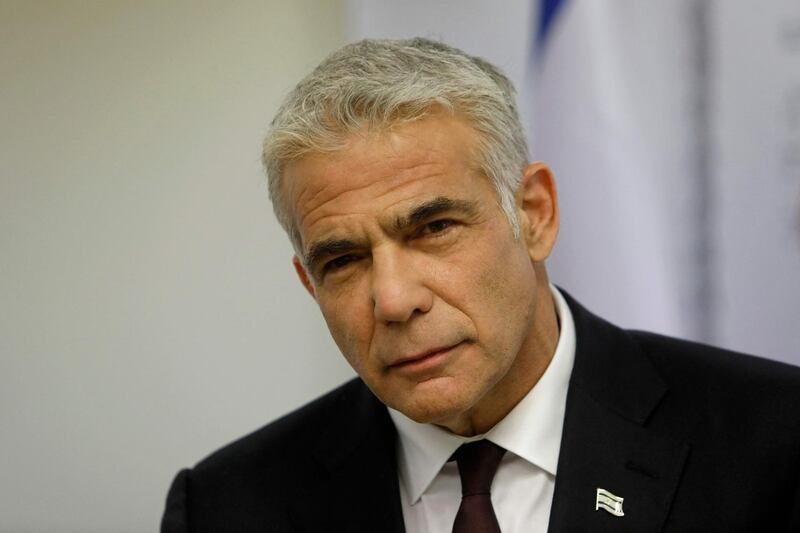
(608, 502)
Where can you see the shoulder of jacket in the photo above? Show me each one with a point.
(749, 385)
(290, 435)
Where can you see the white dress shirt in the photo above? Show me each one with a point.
(522, 491)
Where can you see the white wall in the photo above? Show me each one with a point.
(148, 309)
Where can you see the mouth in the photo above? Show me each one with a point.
(424, 362)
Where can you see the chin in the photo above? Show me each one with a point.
(434, 404)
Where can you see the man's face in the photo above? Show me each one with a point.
(416, 270)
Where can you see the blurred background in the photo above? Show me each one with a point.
(147, 301)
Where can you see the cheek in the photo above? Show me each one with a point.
(501, 288)
(350, 323)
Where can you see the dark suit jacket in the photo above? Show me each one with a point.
(693, 438)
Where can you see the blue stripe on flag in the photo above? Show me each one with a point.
(548, 9)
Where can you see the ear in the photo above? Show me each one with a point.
(537, 201)
(303, 275)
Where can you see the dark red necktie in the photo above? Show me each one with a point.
(477, 464)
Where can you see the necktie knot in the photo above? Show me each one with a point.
(477, 464)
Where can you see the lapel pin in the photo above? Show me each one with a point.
(608, 502)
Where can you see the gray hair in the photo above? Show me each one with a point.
(372, 84)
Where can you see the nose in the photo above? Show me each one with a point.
(398, 290)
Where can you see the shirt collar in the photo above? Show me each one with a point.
(532, 430)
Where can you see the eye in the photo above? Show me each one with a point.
(437, 226)
(339, 263)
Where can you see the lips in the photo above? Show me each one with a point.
(417, 357)
(424, 361)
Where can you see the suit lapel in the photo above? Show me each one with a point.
(358, 488)
(613, 392)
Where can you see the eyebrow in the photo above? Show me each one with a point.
(432, 208)
(321, 250)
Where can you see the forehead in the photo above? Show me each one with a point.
(379, 172)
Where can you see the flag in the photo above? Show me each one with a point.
(618, 113)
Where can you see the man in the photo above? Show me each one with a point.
(400, 172)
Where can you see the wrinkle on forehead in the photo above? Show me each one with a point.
(373, 165)
(339, 186)
(327, 208)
